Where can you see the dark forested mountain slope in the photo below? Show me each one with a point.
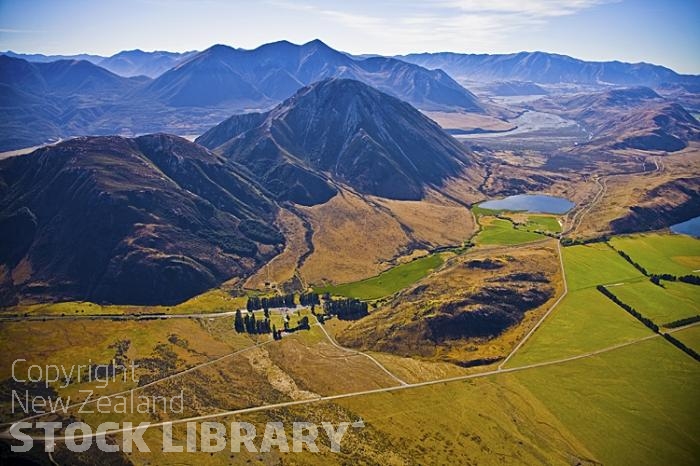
(150, 220)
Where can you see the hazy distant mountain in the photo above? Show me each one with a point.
(546, 68)
(128, 63)
(257, 78)
(139, 63)
(345, 130)
(42, 101)
(151, 220)
(41, 58)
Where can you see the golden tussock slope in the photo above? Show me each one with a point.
(472, 311)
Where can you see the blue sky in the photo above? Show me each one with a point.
(665, 32)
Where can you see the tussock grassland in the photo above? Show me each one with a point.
(402, 326)
(158, 347)
(281, 269)
(356, 238)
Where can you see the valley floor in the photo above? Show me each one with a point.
(591, 384)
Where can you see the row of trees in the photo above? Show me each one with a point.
(309, 299)
(691, 279)
(573, 242)
(256, 303)
(249, 324)
(683, 322)
(636, 265)
(656, 278)
(645, 320)
(346, 309)
(681, 346)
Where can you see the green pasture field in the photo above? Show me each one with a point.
(675, 301)
(500, 231)
(662, 253)
(596, 264)
(546, 223)
(584, 321)
(386, 283)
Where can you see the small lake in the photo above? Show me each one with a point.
(690, 227)
(535, 203)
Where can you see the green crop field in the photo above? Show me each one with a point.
(633, 405)
(584, 321)
(662, 253)
(596, 264)
(662, 305)
(500, 231)
(387, 283)
(690, 337)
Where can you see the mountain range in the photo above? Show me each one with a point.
(50, 100)
(344, 130)
(273, 72)
(128, 63)
(546, 68)
(41, 101)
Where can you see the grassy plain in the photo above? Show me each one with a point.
(389, 282)
(662, 253)
(676, 300)
(634, 405)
